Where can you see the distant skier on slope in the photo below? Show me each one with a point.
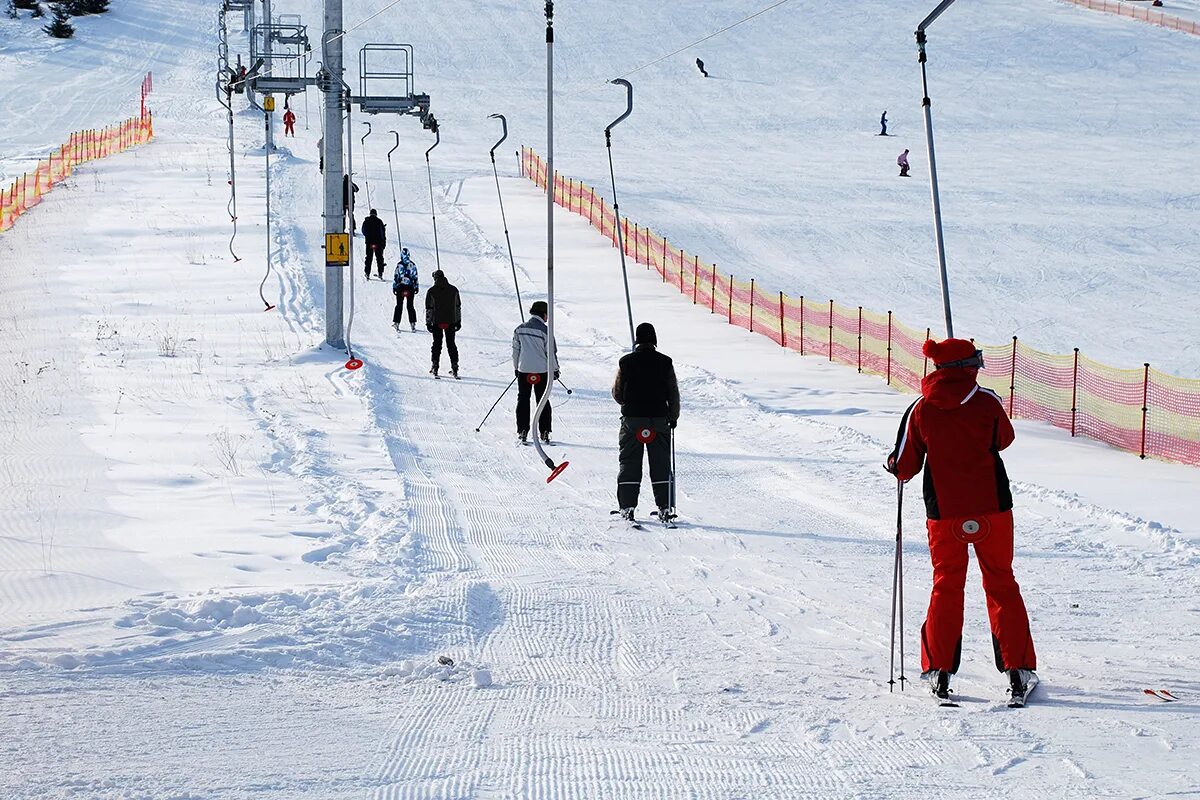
(902, 162)
(955, 431)
(374, 231)
(443, 318)
(405, 285)
(700, 66)
(529, 364)
(289, 122)
(883, 124)
(648, 392)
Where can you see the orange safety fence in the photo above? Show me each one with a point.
(27, 190)
(1143, 13)
(1143, 411)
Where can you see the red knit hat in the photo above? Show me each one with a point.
(949, 351)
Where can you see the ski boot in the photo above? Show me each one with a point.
(433, 371)
(414, 326)
(1020, 684)
(939, 686)
(523, 436)
(627, 515)
(396, 327)
(454, 372)
(545, 436)
(666, 515)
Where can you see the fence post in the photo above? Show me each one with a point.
(731, 298)
(1012, 378)
(752, 305)
(664, 263)
(831, 330)
(925, 369)
(1074, 389)
(801, 324)
(1145, 404)
(681, 270)
(782, 331)
(695, 277)
(860, 339)
(889, 350)
(712, 291)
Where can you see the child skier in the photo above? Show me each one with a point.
(405, 286)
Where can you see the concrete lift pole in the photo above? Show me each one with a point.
(335, 218)
(933, 182)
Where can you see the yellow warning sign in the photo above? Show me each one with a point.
(337, 249)
(269, 104)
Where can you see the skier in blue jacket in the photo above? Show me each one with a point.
(405, 286)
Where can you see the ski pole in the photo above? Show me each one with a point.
(493, 408)
(897, 594)
(674, 510)
(900, 565)
(560, 383)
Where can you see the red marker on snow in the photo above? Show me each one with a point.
(354, 364)
(558, 470)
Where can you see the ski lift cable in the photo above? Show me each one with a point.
(617, 207)
(676, 52)
(267, 272)
(503, 220)
(432, 206)
(555, 469)
(392, 181)
(366, 178)
(348, 188)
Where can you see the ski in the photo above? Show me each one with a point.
(1161, 694)
(667, 520)
(632, 524)
(1016, 700)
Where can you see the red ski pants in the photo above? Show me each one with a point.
(941, 635)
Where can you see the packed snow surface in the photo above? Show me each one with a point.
(234, 569)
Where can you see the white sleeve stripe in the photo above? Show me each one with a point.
(904, 438)
(969, 395)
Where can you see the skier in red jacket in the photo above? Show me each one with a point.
(955, 431)
(289, 123)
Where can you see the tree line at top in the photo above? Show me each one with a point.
(61, 11)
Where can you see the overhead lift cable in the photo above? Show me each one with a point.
(701, 40)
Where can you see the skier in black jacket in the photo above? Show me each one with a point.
(374, 231)
(648, 392)
(443, 317)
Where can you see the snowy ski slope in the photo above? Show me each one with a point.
(230, 565)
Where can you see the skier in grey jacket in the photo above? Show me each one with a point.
(530, 364)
